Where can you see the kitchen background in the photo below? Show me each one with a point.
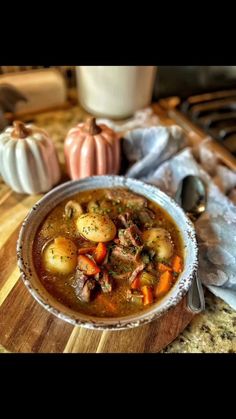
(112, 92)
(187, 79)
(214, 329)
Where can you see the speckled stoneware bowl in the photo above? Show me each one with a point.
(66, 190)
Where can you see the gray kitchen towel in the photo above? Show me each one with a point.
(160, 156)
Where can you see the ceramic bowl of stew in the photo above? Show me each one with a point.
(107, 252)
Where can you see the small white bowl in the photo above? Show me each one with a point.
(40, 210)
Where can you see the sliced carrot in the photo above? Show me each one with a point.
(136, 284)
(177, 264)
(164, 284)
(162, 267)
(84, 250)
(87, 265)
(100, 252)
(147, 295)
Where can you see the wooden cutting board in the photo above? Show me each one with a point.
(25, 326)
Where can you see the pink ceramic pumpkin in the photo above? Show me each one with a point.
(92, 149)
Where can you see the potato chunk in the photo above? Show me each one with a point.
(60, 256)
(159, 240)
(96, 227)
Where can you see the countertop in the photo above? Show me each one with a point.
(211, 331)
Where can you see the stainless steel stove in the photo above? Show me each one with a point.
(215, 114)
(210, 116)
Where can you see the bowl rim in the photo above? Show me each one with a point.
(156, 310)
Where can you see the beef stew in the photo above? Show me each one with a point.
(108, 252)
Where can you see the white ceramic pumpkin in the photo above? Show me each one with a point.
(28, 159)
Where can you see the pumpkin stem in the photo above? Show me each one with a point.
(93, 128)
(20, 130)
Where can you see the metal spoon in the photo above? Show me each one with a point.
(191, 196)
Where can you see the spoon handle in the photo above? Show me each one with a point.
(195, 297)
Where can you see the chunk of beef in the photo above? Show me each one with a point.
(127, 198)
(137, 270)
(121, 254)
(105, 282)
(83, 286)
(85, 294)
(131, 236)
(125, 219)
(79, 279)
(122, 238)
(122, 262)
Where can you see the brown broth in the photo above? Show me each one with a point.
(111, 304)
